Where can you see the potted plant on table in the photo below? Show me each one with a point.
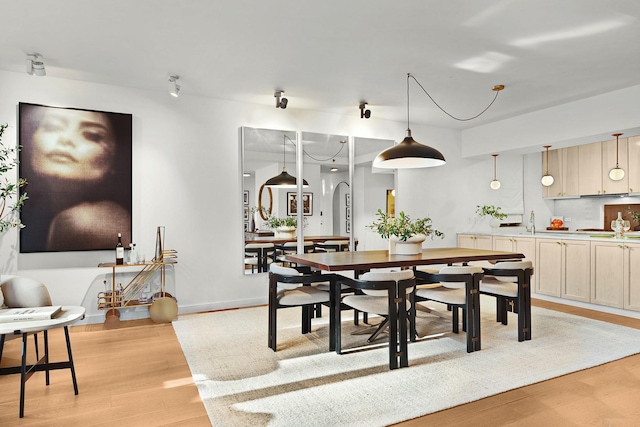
(635, 215)
(9, 190)
(283, 227)
(405, 234)
(492, 212)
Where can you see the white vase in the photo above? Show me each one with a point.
(285, 232)
(411, 246)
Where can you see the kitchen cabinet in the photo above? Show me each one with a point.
(474, 241)
(523, 245)
(564, 167)
(590, 169)
(560, 268)
(614, 274)
(633, 146)
(609, 162)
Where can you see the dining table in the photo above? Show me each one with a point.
(362, 261)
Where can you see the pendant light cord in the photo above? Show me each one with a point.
(497, 89)
(342, 144)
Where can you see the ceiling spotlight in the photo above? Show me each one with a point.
(280, 103)
(174, 87)
(364, 114)
(35, 65)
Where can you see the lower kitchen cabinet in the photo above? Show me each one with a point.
(523, 245)
(562, 268)
(614, 274)
(475, 241)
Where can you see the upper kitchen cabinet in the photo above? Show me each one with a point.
(590, 169)
(612, 156)
(633, 145)
(563, 166)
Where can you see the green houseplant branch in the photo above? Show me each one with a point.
(490, 210)
(634, 214)
(274, 222)
(9, 190)
(402, 226)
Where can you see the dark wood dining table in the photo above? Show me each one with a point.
(361, 261)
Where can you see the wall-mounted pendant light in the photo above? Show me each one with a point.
(617, 173)
(495, 184)
(547, 180)
(284, 180)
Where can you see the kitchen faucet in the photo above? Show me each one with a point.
(532, 222)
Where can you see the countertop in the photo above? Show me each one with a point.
(630, 237)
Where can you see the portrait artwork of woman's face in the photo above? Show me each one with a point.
(78, 167)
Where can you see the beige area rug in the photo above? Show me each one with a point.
(243, 383)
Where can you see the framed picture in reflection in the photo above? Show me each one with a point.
(307, 204)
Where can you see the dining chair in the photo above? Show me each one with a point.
(258, 256)
(384, 294)
(510, 283)
(332, 246)
(458, 288)
(294, 287)
(291, 248)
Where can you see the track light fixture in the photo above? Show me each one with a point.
(280, 102)
(364, 114)
(174, 87)
(35, 65)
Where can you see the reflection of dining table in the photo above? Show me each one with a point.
(280, 240)
(366, 260)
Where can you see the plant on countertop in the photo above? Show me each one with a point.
(403, 226)
(490, 210)
(9, 213)
(634, 214)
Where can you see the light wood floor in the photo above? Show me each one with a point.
(138, 376)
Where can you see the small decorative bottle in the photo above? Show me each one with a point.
(119, 250)
(618, 225)
(133, 254)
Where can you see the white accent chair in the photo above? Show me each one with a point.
(258, 256)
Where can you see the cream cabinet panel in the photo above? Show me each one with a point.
(634, 164)
(473, 241)
(590, 165)
(562, 268)
(609, 162)
(607, 273)
(564, 167)
(632, 277)
(576, 284)
(549, 269)
(523, 245)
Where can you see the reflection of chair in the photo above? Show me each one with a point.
(458, 289)
(510, 283)
(332, 246)
(258, 255)
(384, 294)
(291, 248)
(290, 287)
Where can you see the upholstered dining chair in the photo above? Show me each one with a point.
(294, 287)
(23, 292)
(458, 289)
(291, 248)
(258, 256)
(383, 293)
(510, 283)
(332, 246)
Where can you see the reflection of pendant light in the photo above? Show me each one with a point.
(547, 180)
(617, 173)
(284, 180)
(409, 153)
(495, 184)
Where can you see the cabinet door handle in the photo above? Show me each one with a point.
(621, 247)
(559, 243)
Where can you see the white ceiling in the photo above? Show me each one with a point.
(329, 55)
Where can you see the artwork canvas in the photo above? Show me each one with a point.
(307, 204)
(78, 164)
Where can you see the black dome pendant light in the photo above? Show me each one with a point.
(284, 180)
